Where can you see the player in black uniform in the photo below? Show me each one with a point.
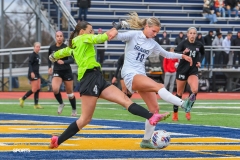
(114, 79)
(33, 76)
(62, 72)
(185, 72)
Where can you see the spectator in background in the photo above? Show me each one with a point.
(164, 40)
(179, 38)
(170, 68)
(217, 43)
(157, 39)
(101, 49)
(227, 54)
(208, 39)
(232, 5)
(220, 8)
(67, 4)
(236, 42)
(209, 14)
(33, 76)
(83, 8)
(200, 38)
(218, 30)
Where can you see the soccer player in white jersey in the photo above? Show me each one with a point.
(139, 45)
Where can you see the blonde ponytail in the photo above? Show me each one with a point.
(138, 23)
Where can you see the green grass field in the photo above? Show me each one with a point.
(205, 112)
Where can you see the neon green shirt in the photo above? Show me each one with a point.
(83, 51)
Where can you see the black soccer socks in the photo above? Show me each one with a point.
(175, 108)
(68, 133)
(139, 111)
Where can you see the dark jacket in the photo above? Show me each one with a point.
(165, 41)
(200, 40)
(208, 39)
(156, 38)
(231, 3)
(206, 10)
(236, 42)
(178, 40)
(84, 3)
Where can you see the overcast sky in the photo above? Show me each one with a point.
(6, 4)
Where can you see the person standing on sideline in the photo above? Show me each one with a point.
(92, 83)
(62, 72)
(236, 42)
(139, 46)
(227, 54)
(114, 79)
(83, 5)
(217, 44)
(185, 73)
(170, 67)
(208, 39)
(33, 76)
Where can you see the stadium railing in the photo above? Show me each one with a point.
(9, 71)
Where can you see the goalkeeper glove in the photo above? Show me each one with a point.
(120, 25)
(51, 58)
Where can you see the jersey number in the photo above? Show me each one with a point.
(95, 89)
(140, 57)
(192, 54)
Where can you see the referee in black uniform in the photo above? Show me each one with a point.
(33, 76)
(114, 79)
(62, 72)
(185, 72)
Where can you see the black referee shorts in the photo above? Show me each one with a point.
(66, 75)
(93, 83)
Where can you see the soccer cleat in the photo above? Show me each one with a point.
(175, 116)
(188, 116)
(21, 102)
(74, 113)
(187, 104)
(54, 142)
(60, 108)
(147, 144)
(158, 117)
(37, 106)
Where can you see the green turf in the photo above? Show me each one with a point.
(213, 113)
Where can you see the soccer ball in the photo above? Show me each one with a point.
(160, 139)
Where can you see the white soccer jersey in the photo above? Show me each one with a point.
(137, 49)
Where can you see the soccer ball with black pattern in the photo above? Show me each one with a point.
(160, 139)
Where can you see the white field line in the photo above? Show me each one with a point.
(112, 120)
(108, 103)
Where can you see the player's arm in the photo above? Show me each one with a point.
(65, 52)
(171, 55)
(30, 63)
(70, 60)
(49, 62)
(96, 39)
(125, 36)
(202, 52)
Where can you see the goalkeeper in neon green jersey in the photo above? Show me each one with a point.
(92, 83)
